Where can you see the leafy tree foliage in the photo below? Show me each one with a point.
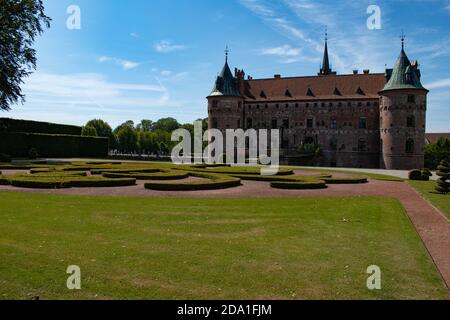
(89, 131)
(20, 22)
(103, 129)
(436, 152)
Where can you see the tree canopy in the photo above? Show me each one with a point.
(20, 22)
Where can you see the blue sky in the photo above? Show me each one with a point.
(143, 59)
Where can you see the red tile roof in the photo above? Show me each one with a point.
(352, 86)
(434, 137)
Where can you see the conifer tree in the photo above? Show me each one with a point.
(443, 186)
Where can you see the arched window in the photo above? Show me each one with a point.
(215, 103)
(362, 145)
(410, 146)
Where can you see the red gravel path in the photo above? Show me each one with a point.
(432, 226)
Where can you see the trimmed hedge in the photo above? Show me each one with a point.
(27, 126)
(125, 170)
(231, 170)
(52, 145)
(149, 176)
(280, 178)
(418, 175)
(216, 182)
(300, 185)
(29, 181)
(344, 180)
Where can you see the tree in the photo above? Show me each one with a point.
(89, 131)
(166, 124)
(443, 186)
(103, 129)
(436, 152)
(145, 126)
(20, 22)
(128, 139)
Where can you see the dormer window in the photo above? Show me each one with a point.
(288, 93)
(337, 92)
(360, 92)
(263, 95)
(310, 93)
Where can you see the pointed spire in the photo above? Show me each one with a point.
(402, 37)
(325, 69)
(226, 83)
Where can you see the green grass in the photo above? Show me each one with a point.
(426, 188)
(141, 248)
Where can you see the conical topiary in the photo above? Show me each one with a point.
(443, 186)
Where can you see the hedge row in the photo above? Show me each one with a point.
(280, 178)
(344, 180)
(52, 145)
(149, 176)
(126, 170)
(216, 181)
(300, 185)
(26, 126)
(232, 170)
(64, 182)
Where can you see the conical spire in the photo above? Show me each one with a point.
(226, 83)
(325, 69)
(404, 75)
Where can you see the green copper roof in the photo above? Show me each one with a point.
(404, 75)
(326, 61)
(226, 83)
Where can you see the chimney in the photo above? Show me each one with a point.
(355, 71)
(366, 71)
(277, 76)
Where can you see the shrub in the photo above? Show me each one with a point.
(58, 182)
(426, 172)
(418, 175)
(300, 185)
(3, 180)
(443, 186)
(216, 182)
(344, 180)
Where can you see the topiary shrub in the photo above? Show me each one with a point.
(418, 175)
(215, 182)
(301, 185)
(443, 186)
(426, 172)
(344, 180)
(169, 175)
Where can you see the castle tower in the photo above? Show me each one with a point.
(225, 103)
(403, 116)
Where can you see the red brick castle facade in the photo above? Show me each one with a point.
(357, 120)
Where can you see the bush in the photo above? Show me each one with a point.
(52, 146)
(216, 182)
(3, 180)
(301, 185)
(26, 126)
(418, 175)
(426, 172)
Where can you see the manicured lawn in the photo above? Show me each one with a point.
(210, 249)
(426, 188)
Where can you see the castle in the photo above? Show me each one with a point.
(361, 120)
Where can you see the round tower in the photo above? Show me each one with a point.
(225, 103)
(403, 116)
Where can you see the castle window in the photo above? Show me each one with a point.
(362, 145)
(315, 104)
(215, 103)
(310, 123)
(274, 124)
(333, 144)
(257, 106)
(411, 122)
(214, 123)
(239, 123)
(411, 98)
(323, 104)
(333, 124)
(287, 105)
(266, 106)
(410, 146)
(362, 123)
(286, 123)
(307, 105)
(277, 106)
(330, 104)
(249, 123)
(359, 104)
(296, 105)
(340, 104)
(360, 91)
(349, 104)
(240, 105)
(368, 104)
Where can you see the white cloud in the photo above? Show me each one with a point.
(166, 46)
(166, 73)
(447, 8)
(125, 64)
(134, 35)
(443, 83)
(286, 52)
